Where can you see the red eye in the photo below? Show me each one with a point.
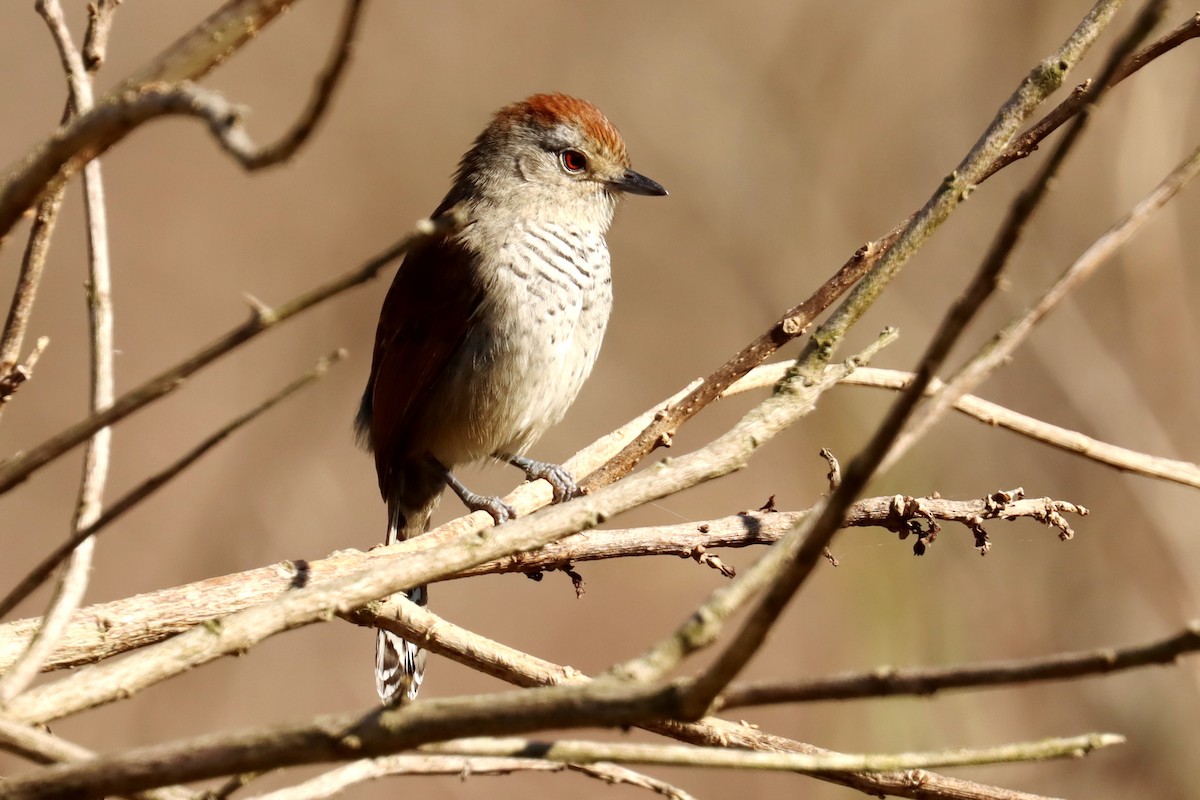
(573, 161)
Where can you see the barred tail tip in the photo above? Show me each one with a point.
(399, 669)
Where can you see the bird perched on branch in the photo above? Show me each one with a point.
(488, 333)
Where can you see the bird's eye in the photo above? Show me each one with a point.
(573, 161)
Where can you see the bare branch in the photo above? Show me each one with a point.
(148, 95)
(72, 585)
(337, 780)
(583, 752)
(999, 350)
(29, 279)
(369, 769)
(708, 732)
(102, 631)
(347, 736)
(995, 415)
(890, 682)
(15, 470)
(992, 414)
(327, 83)
(46, 748)
(1027, 143)
(440, 636)
(208, 45)
(785, 568)
(90, 135)
(155, 482)
(25, 292)
(796, 321)
(106, 683)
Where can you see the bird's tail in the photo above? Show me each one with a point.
(400, 664)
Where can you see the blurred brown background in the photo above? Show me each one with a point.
(788, 134)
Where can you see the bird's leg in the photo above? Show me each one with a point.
(554, 474)
(501, 511)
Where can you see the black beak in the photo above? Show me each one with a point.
(636, 183)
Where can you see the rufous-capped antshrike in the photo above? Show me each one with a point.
(487, 334)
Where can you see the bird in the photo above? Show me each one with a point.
(487, 333)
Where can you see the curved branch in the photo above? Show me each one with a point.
(166, 90)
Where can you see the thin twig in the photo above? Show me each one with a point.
(338, 780)
(1186, 473)
(999, 350)
(583, 752)
(73, 582)
(14, 378)
(925, 681)
(15, 470)
(994, 415)
(92, 134)
(137, 102)
(369, 769)
(321, 97)
(1026, 144)
(29, 278)
(134, 496)
(207, 45)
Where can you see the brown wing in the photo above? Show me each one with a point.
(422, 324)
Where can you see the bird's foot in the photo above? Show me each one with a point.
(501, 511)
(554, 474)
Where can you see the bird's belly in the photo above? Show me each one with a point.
(524, 366)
